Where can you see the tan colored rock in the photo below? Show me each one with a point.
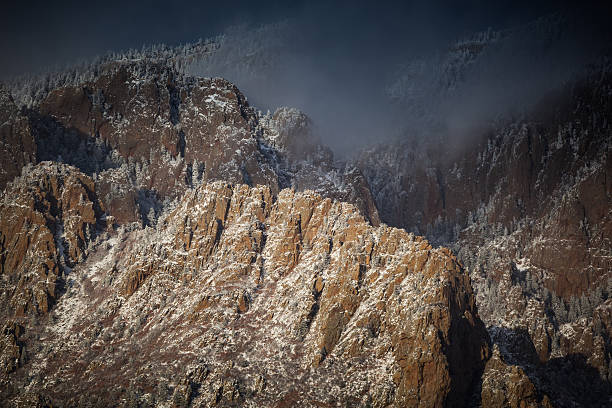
(288, 300)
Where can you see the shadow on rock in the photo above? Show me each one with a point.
(569, 381)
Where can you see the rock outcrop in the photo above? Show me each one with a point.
(526, 206)
(17, 145)
(146, 133)
(506, 385)
(47, 218)
(237, 298)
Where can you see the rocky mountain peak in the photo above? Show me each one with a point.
(163, 243)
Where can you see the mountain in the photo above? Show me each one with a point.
(163, 243)
(239, 297)
(525, 203)
(152, 132)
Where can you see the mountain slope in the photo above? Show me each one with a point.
(526, 205)
(238, 298)
(156, 228)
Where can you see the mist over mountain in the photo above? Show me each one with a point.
(347, 204)
(363, 89)
(40, 34)
(339, 63)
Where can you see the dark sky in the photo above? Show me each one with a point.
(334, 60)
(38, 34)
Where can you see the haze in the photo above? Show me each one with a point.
(335, 62)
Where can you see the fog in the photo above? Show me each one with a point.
(364, 83)
(364, 72)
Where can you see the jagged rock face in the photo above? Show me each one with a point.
(47, 217)
(12, 351)
(528, 211)
(548, 274)
(506, 385)
(240, 299)
(146, 133)
(292, 133)
(512, 172)
(17, 146)
(310, 165)
(177, 130)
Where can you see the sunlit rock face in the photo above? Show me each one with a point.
(240, 298)
(47, 218)
(128, 275)
(165, 244)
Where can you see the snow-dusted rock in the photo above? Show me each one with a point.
(237, 297)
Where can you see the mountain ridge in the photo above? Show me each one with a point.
(141, 184)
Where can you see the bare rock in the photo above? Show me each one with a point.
(287, 300)
(47, 218)
(506, 385)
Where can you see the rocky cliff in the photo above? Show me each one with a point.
(128, 278)
(162, 243)
(239, 297)
(526, 205)
(146, 133)
(18, 146)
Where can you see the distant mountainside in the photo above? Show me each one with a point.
(527, 209)
(163, 243)
(523, 199)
